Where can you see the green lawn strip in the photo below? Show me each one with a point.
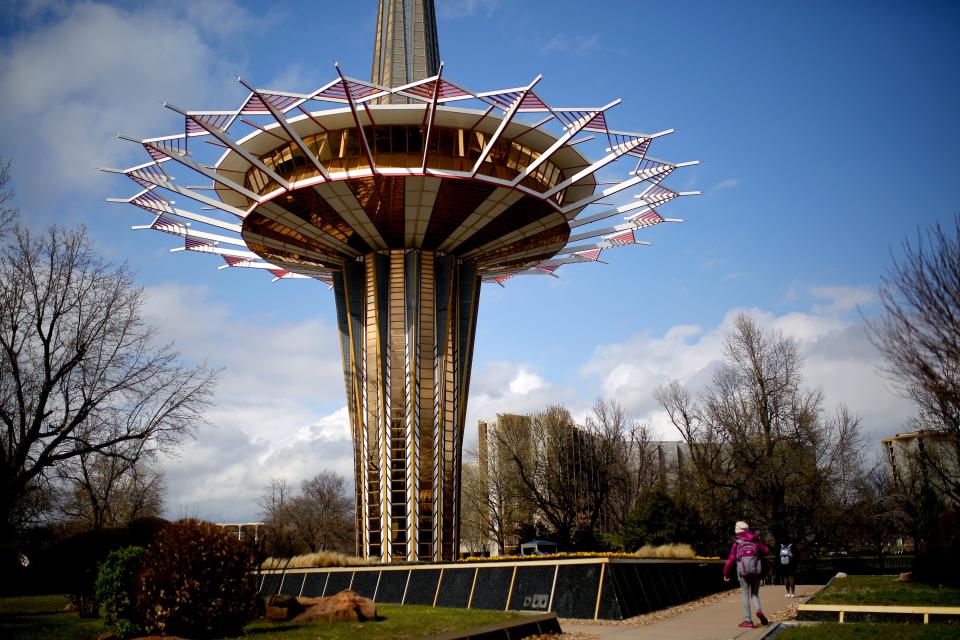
(43, 618)
(835, 631)
(394, 623)
(887, 591)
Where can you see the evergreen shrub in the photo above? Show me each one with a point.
(195, 582)
(117, 583)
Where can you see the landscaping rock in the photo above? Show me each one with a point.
(281, 608)
(345, 606)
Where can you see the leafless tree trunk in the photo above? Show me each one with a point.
(79, 373)
(920, 339)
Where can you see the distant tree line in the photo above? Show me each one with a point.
(757, 443)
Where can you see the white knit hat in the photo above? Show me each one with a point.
(740, 527)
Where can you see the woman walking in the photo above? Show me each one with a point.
(747, 555)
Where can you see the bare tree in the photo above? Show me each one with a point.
(7, 213)
(568, 473)
(79, 372)
(279, 536)
(919, 337)
(496, 494)
(628, 456)
(323, 513)
(757, 438)
(112, 487)
(474, 511)
(319, 519)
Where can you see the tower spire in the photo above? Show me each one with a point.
(405, 48)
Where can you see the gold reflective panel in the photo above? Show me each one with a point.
(401, 146)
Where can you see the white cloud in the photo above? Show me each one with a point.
(224, 472)
(456, 9)
(91, 70)
(261, 358)
(841, 298)
(839, 359)
(268, 418)
(525, 382)
(723, 185)
(575, 45)
(511, 387)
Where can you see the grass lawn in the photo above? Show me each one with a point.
(835, 631)
(42, 617)
(395, 622)
(885, 590)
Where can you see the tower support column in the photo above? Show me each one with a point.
(407, 321)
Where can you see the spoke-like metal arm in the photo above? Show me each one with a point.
(503, 125)
(433, 113)
(188, 162)
(596, 196)
(250, 265)
(169, 208)
(609, 213)
(571, 131)
(356, 120)
(194, 234)
(603, 244)
(282, 121)
(651, 172)
(220, 251)
(615, 153)
(596, 233)
(190, 193)
(227, 140)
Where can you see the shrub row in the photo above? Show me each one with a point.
(193, 581)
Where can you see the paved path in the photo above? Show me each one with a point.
(715, 621)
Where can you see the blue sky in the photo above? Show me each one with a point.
(827, 134)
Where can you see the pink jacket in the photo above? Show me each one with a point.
(730, 567)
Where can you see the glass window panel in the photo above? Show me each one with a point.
(414, 140)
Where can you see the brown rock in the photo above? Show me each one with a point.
(345, 606)
(281, 608)
(109, 635)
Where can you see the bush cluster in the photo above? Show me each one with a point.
(195, 582)
(192, 581)
(117, 588)
(938, 563)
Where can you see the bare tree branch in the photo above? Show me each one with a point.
(79, 374)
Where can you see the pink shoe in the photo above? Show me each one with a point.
(748, 624)
(763, 618)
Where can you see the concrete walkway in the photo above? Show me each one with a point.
(715, 621)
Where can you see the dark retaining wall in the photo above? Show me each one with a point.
(604, 588)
